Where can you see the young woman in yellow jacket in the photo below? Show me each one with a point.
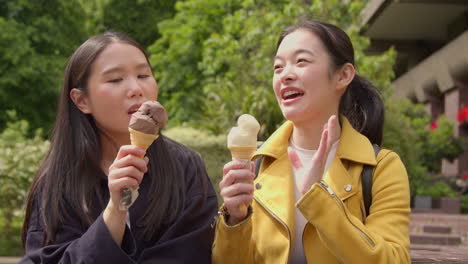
(306, 205)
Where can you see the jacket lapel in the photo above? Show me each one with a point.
(355, 148)
(276, 193)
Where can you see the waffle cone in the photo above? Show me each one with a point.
(242, 152)
(141, 140)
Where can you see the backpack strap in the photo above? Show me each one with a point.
(366, 181)
(258, 163)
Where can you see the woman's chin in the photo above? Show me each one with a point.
(293, 115)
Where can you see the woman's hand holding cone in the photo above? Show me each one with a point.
(127, 170)
(237, 189)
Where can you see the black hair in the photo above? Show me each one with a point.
(361, 103)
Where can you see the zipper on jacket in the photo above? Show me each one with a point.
(333, 195)
(281, 222)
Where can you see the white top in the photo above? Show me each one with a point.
(300, 170)
(127, 219)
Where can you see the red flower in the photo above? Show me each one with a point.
(462, 114)
(465, 177)
(433, 125)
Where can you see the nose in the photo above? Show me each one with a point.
(288, 74)
(134, 88)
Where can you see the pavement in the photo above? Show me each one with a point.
(9, 260)
(439, 254)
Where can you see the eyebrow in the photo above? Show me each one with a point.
(296, 52)
(117, 69)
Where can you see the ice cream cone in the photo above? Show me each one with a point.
(141, 140)
(242, 152)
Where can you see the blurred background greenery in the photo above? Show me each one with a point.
(213, 62)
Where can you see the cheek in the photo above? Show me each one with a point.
(276, 85)
(153, 90)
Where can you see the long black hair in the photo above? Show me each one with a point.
(70, 175)
(361, 102)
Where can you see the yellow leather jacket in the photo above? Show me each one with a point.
(337, 230)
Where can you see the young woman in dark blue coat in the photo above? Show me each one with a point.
(72, 213)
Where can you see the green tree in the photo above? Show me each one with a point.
(177, 54)
(139, 19)
(215, 57)
(35, 41)
(20, 157)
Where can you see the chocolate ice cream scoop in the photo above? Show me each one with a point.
(149, 119)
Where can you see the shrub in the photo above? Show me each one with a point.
(20, 157)
(464, 203)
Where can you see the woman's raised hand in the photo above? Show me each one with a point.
(330, 134)
(237, 189)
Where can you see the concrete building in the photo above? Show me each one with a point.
(431, 38)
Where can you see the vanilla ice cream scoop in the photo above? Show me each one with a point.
(245, 133)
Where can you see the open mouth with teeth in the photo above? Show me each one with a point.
(292, 94)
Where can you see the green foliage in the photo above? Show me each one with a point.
(436, 189)
(407, 132)
(433, 145)
(35, 40)
(139, 19)
(464, 204)
(400, 137)
(20, 157)
(212, 148)
(216, 57)
(175, 56)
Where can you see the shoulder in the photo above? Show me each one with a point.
(181, 153)
(390, 168)
(386, 156)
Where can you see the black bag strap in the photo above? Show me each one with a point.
(366, 178)
(366, 181)
(258, 163)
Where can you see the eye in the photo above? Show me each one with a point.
(277, 67)
(143, 76)
(302, 60)
(116, 80)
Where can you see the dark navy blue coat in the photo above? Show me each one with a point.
(186, 240)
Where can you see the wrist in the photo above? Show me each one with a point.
(112, 211)
(232, 220)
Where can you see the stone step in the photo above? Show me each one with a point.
(435, 239)
(437, 229)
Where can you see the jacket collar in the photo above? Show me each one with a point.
(353, 146)
(277, 193)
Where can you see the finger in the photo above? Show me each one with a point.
(232, 165)
(233, 176)
(130, 150)
(233, 204)
(237, 189)
(130, 160)
(322, 147)
(122, 183)
(334, 129)
(130, 172)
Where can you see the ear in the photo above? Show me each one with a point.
(80, 100)
(345, 77)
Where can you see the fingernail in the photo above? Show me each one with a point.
(146, 159)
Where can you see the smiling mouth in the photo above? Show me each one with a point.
(292, 95)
